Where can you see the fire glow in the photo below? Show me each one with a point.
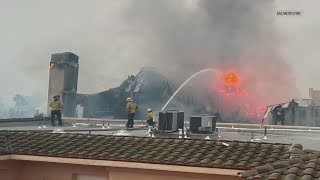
(231, 78)
(230, 85)
(254, 110)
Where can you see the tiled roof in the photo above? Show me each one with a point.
(189, 152)
(304, 165)
(4, 143)
(259, 160)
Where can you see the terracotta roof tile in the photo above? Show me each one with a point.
(249, 173)
(242, 164)
(290, 177)
(275, 176)
(303, 167)
(255, 164)
(189, 152)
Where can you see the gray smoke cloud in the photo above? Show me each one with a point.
(32, 31)
(183, 37)
(115, 38)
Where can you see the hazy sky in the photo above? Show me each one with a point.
(96, 31)
(301, 35)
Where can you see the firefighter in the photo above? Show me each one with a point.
(292, 108)
(131, 109)
(150, 121)
(277, 113)
(56, 107)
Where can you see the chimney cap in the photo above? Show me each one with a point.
(65, 57)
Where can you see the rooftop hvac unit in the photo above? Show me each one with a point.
(203, 124)
(171, 120)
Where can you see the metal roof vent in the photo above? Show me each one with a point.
(203, 123)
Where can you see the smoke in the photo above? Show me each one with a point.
(183, 37)
(115, 38)
(32, 31)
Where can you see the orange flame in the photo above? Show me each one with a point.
(231, 78)
(52, 65)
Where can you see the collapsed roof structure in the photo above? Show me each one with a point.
(307, 112)
(148, 89)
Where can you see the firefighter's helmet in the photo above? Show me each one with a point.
(129, 99)
(149, 110)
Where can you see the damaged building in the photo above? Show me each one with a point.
(306, 113)
(148, 89)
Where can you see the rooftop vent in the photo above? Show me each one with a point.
(202, 123)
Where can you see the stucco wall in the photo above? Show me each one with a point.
(123, 174)
(28, 170)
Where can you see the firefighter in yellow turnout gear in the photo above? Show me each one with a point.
(150, 121)
(56, 106)
(131, 109)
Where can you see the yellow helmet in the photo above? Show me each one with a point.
(149, 110)
(129, 99)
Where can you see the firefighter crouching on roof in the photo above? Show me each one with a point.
(131, 109)
(56, 106)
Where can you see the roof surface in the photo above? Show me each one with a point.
(304, 165)
(258, 160)
(190, 152)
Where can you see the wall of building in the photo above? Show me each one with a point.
(121, 174)
(305, 116)
(314, 94)
(28, 170)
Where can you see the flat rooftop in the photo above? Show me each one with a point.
(308, 137)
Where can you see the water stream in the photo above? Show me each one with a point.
(183, 84)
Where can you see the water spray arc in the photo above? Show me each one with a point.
(183, 84)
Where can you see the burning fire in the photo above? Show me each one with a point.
(254, 110)
(235, 93)
(231, 78)
(231, 85)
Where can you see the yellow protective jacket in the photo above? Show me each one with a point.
(56, 105)
(131, 107)
(150, 115)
